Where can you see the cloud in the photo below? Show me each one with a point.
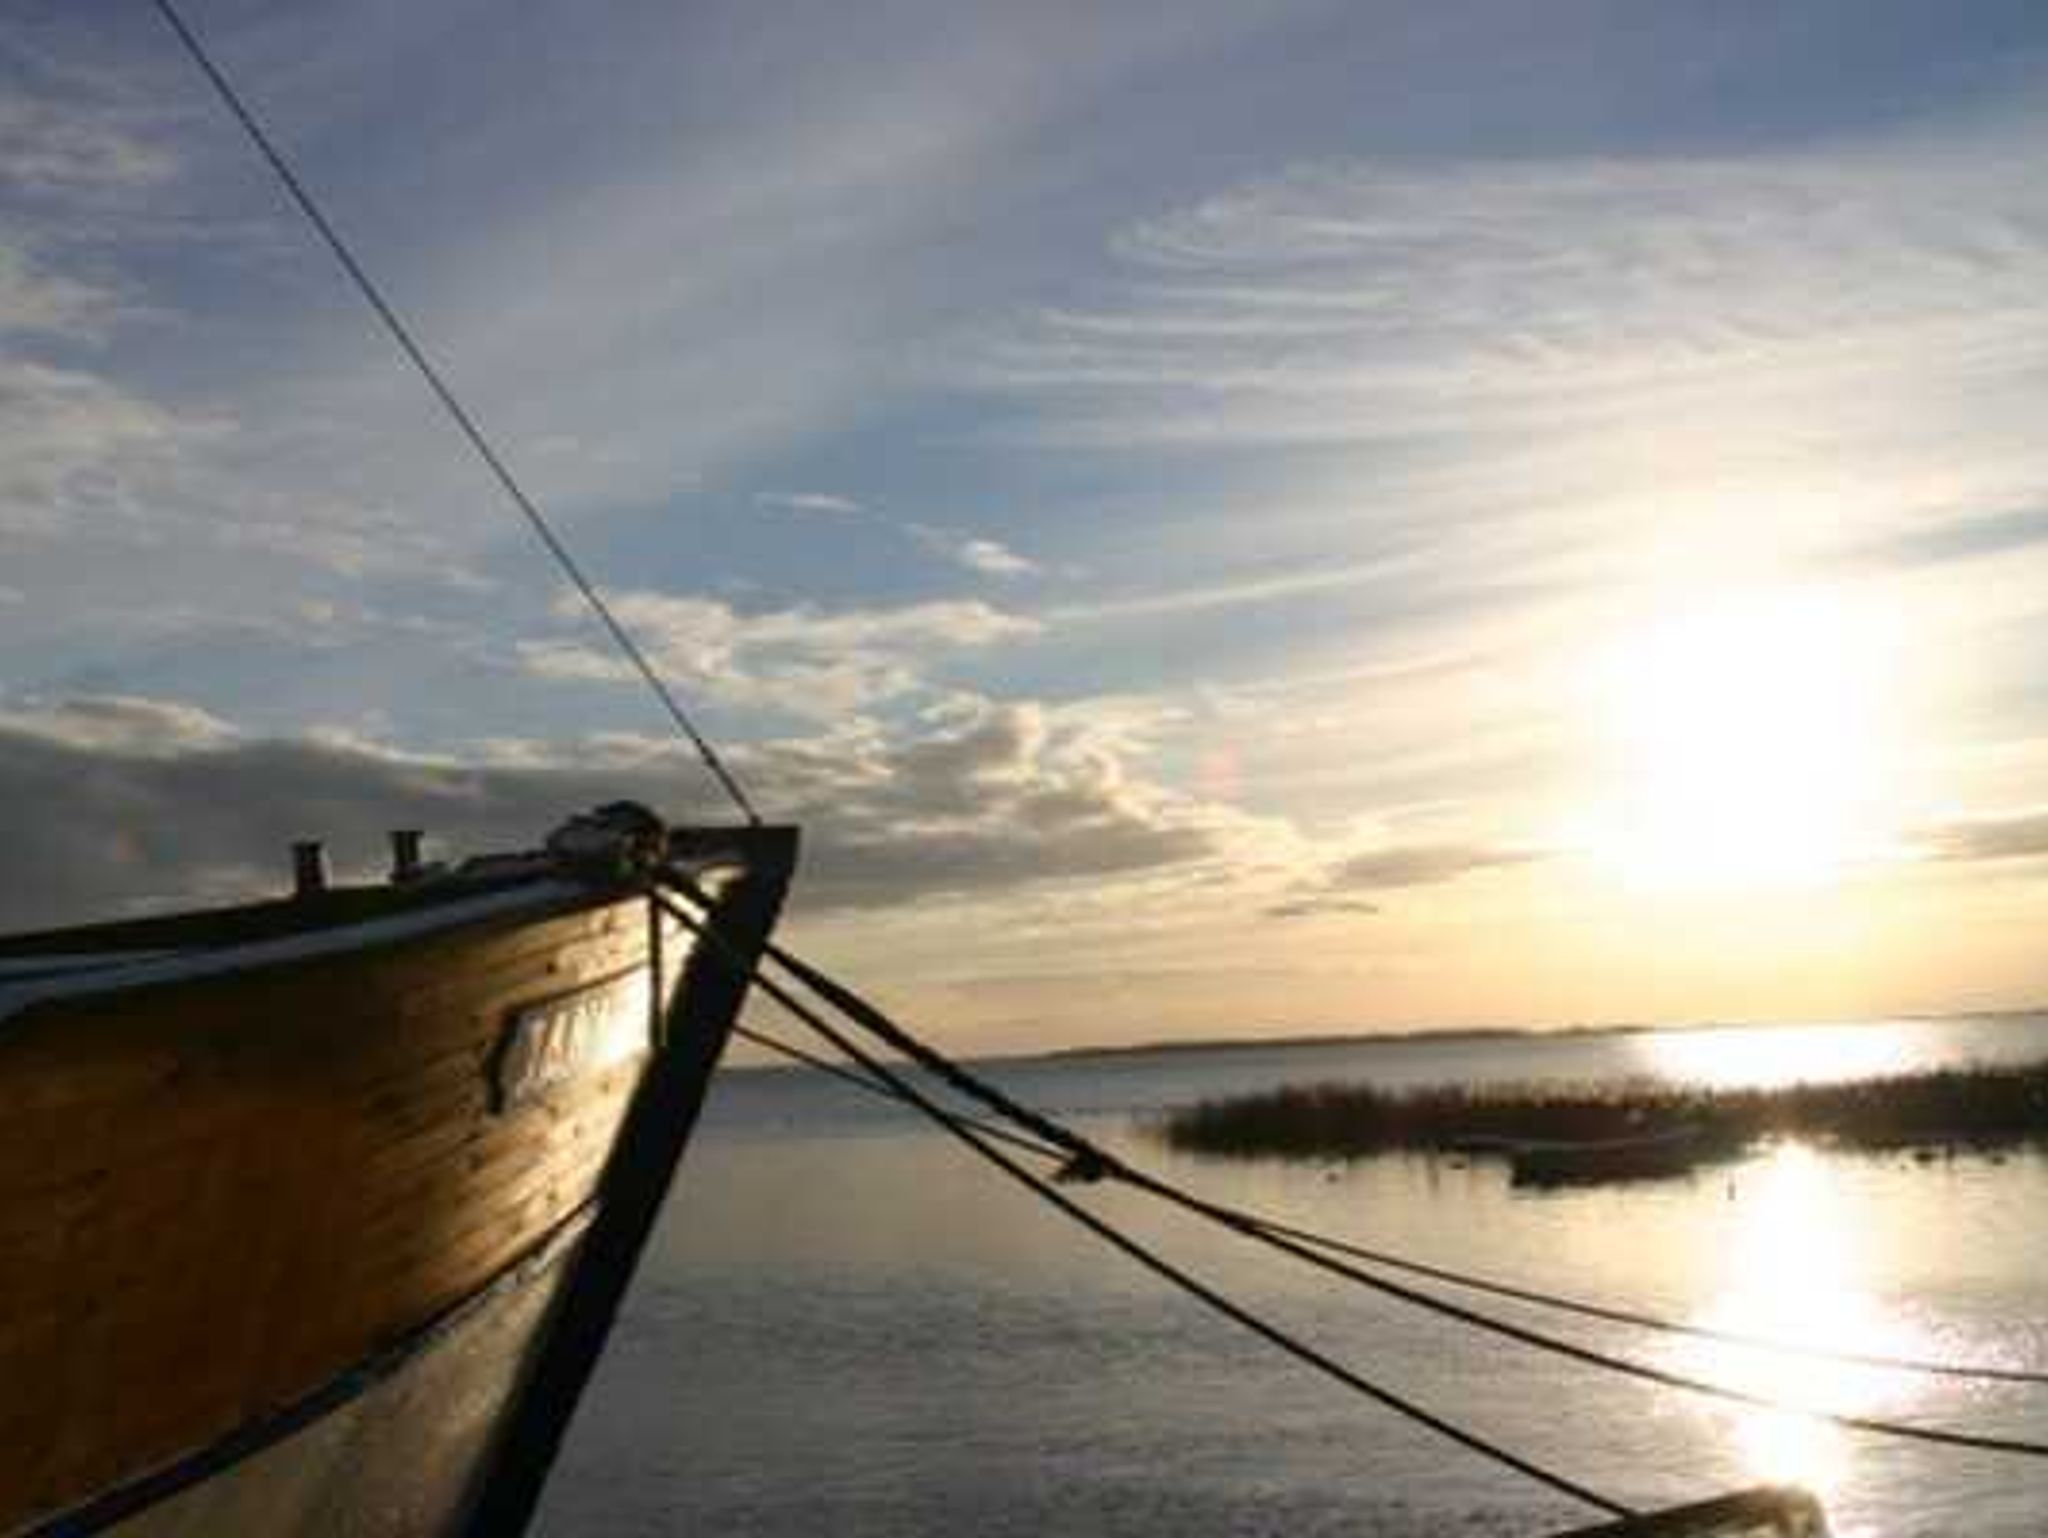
(1000, 798)
(989, 557)
(88, 453)
(72, 444)
(118, 723)
(37, 302)
(1538, 386)
(1408, 865)
(803, 661)
(808, 502)
(1234, 592)
(1933, 540)
(993, 559)
(1319, 907)
(1994, 836)
(347, 539)
(1389, 867)
(850, 219)
(75, 147)
(83, 457)
(1366, 302)
(121, 803)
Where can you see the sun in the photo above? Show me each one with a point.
(1746, 742)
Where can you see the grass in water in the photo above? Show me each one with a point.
(1975, 1107)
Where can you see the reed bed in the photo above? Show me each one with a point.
(1982, 1107)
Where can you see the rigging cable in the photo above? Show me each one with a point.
(977, 1137)
(832, 1070)
(457, 412)
(1637, 1319)
(871, 1020)
(1470, 1281)
(1144, 1255)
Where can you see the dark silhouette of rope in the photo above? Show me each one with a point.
(457, 412)
(1646, 1321)
(878, 1025)
(1303, 1243)
(1471, 1281)
(900, 1088)
(988, 1129)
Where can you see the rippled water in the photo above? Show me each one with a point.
(847, 1327)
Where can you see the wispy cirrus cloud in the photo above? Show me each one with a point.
(78, 145)
(1362, 448)
(825, 502)
(1320, 905)
(1963, 537)
(1352, 301)
(976, 553)
(993, 558)
(74, 441)
(1510, 405)
(1563, 358)
(1409, 865)
(73, 445)
(1992, 836)
(36, 301)
(801, 661)
(1356, 883)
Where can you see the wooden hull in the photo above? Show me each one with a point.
(328, 1242)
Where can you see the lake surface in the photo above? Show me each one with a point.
(849, 1326)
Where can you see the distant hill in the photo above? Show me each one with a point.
(1480, 1033)
(1347, 1039)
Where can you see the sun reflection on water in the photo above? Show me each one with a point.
(1794, 1269)
(1726, 1057)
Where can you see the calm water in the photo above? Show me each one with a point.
(847, 1327)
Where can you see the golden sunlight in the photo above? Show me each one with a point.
(1795, 1272)
(1731, 1057)
(1748, 743)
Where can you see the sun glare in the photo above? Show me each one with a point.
(1794, 1271)
(1746, 743)
(1736, 1058)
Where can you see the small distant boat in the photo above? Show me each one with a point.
(1655, 1155)
(314, 1213)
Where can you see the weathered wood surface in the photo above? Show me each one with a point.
(217, 1195)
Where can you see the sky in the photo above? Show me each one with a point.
(1217, 518)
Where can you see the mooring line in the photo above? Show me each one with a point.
(878, 1025)
(466, 424)
(1473, 1282)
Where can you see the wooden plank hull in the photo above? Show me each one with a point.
(307, 1246)
(383, 1453)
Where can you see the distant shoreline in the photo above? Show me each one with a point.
(1483, 1033)
(1451, 1035)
